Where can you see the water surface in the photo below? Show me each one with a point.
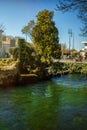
(58, 104)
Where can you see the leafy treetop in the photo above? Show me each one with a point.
(45, 36)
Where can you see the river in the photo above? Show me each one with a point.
(58, 104)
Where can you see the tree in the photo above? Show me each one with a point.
(28, 59)
(22, 54)
(14, 52)
(72, 5)
(45, 36)
(1, 34)
(28, 29)
(63, 48)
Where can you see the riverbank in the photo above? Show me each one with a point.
(10, 76)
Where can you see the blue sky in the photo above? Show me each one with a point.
(15, 14)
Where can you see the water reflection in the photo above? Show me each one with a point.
(59, 104)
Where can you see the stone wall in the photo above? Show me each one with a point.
(8, 78)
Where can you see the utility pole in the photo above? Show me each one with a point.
(70, 35)
(73, 42)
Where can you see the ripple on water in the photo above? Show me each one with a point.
(74, 81)
(59, 104)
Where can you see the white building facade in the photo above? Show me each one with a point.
(84, 50)
(6, 43)
(85, 45)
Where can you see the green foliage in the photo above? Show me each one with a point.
(1, 64)
(84, 70)
(45, 37)
(9, 61)
(5, 63)
(74, 53)
(22, 55)
(15, 53)
(74, 68)
(61, 68)
(27, 56)
(28, 29)
(55, 68)
(11, 50)
(58, 68)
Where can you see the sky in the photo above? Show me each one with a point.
(15, 14)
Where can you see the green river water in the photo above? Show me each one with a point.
(58, 104)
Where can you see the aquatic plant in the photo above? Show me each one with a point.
(84, 69)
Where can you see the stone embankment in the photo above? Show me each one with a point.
(9, 75)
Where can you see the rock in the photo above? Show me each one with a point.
(9, 77)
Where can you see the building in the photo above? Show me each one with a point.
(83, 52)
(7, 42)
(85, 45)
